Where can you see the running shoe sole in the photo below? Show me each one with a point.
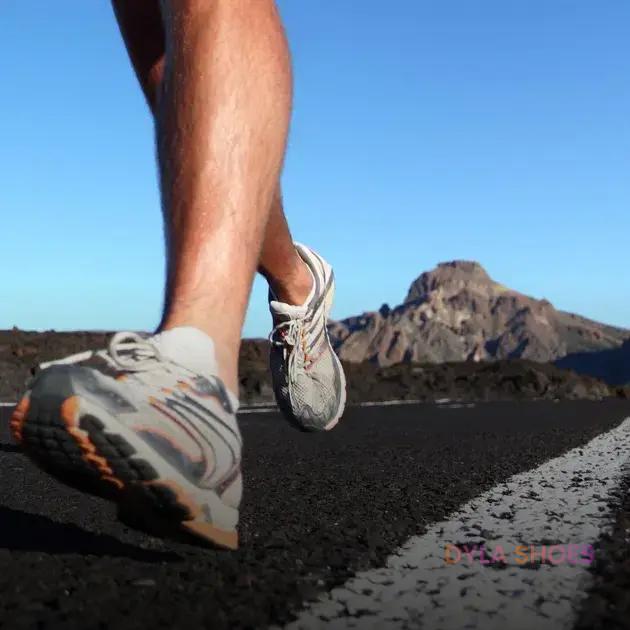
(68, 435)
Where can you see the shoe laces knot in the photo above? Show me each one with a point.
(132, 353)
(127, 352)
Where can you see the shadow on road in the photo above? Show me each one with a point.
(10, 448)
(21, 531)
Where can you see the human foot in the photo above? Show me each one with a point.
(159, 429)
(308, 378)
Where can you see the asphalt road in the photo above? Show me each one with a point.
(317, 509)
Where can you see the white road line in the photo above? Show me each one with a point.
(263, 408)
(563, 502)
(246, 410)
(386, 403)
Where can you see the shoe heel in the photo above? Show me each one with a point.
(165, 508)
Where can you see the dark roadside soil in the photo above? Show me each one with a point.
(607, 605)
(21, 351)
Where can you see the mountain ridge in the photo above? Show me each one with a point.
(457, 312)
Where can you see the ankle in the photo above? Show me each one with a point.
(295, 284)
(227, 360)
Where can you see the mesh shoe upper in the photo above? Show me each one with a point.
(187, 418)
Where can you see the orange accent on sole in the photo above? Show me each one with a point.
(196, 526)
(18, 418)
(69, 414)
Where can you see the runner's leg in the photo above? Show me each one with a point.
(143, 31)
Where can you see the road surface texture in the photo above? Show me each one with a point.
(322, 512)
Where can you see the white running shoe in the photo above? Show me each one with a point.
(308, 378)
(161, 430)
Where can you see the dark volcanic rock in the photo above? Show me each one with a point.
(456, 313)
(254, 376)
(21, 351)
(470, 381)
(607, 604)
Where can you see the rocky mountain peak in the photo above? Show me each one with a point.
(451, 277)
(456, 312)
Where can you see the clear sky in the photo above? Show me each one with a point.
(423, 131)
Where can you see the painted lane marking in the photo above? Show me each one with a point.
(565, 501)
(386, 403)
(268, 408)
(246, 410)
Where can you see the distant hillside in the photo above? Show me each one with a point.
(612, 366)
(21, 351)
(456, 312)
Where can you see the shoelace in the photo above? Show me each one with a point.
(127, 351)
(289, 335)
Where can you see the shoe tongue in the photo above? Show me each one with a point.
(283, 312)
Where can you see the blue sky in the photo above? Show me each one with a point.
(488, 130)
